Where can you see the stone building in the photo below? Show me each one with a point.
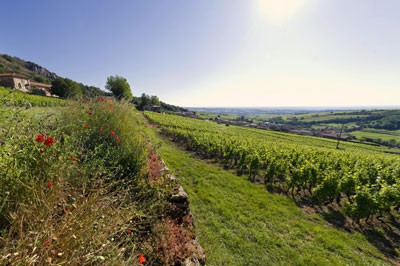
(22, 83)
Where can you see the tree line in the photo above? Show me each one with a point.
(116, 86)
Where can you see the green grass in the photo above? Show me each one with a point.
(333, 125)
(206, 115)
(330, 117)
(377, 134)
(240, 223)
(17, 98)
(73, 181)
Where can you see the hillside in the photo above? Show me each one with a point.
(241, 223)
(32, 70)
(40, 74)
(82, 185)
(354, 188)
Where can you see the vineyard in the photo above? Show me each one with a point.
(12, 97)
(362, 180)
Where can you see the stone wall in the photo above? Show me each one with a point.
(181, 212)
(20, 84)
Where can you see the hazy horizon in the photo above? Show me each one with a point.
(299, 107)
(218, 53)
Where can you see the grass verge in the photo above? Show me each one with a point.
(75, 187)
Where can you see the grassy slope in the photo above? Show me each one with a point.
(239, 223)
(377, 134)
(18, 98)
(330, 117)
(18, 65)
(74, 221)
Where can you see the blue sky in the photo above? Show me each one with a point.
(218, 52)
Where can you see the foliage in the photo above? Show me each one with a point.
(154, 100)
(240, 223)
(38, 92)
(10, 97)
(119, 86)
(171, 108)
(66, 88)
(74, 189)
(300, 165)
(145, 100)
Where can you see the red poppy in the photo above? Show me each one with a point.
(74, 159)
(50, 184)
(129, 232)
(49, 141)
(118, 139)
(86, 126)
(141, 259)
(40, 137)
(111, 107)
(46, 243)
(112, 133)
(101, 131)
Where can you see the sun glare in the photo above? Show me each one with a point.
(279, 10)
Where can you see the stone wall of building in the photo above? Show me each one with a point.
(21, 84)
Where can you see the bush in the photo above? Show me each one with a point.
(38, 92)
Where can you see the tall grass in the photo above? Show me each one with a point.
(73, 187)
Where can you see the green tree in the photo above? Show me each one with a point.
(143, 101)
(66, 88)
(74, 90)
(119, 86)
(154, 100)
(59, 87)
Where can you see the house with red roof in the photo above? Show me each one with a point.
(23, 83)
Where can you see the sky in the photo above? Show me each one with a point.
(199, 53)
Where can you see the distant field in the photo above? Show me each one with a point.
(206, 115)
(377, 126)
(321, 118)
(332, 125)
(309, 117)
(377, 134)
